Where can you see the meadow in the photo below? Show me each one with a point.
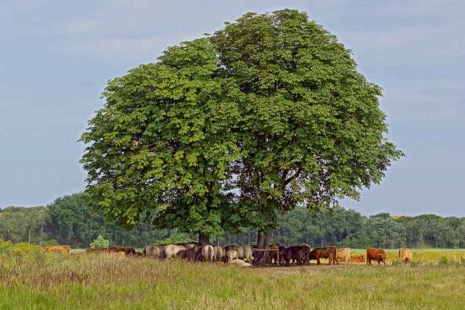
(436, 280)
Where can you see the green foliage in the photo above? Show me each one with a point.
(174, 238)
(311, 128)
(24, 248)
(272, 106)
(21, 224)
(338, 226)
(6, 246)
(100, 242)
(73, 221)
(50, 242)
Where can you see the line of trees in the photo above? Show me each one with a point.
(71, 220)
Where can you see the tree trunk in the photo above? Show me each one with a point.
(263, 239)
(204, 239)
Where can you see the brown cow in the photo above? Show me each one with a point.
(405, 256)
(115, 249)
(58, 249)
(376, 254)
(298, 253)
(329, 252)
(153, 251)
(343, 255)
(126, 250)
(273, 254)
(188, 254)
(357, 259)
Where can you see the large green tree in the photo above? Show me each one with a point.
(236, 128)
(311, 127)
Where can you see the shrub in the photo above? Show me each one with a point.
(5, 246)
(100, 242)
(26, 248)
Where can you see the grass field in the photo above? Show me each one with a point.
(436, 280)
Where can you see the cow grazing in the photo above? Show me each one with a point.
(58, 249)
(171, 250)
(343, 255)
(405, 256)
(230, 255)
(329, 252)
(376, 254)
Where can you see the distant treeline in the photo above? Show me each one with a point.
(70, 220)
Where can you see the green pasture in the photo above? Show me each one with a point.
(77, 281)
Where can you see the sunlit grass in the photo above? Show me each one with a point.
(77, 281)
(424, 256)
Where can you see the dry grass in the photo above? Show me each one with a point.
(47, 281)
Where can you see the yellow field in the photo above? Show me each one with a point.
(424, 256)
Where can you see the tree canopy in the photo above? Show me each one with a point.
(235, 128)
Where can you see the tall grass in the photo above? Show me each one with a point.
(430, 257)
(77, 281)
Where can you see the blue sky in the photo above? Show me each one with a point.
(57, 56)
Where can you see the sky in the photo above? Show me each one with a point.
(56, 57)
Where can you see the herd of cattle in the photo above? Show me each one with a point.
(248, 255)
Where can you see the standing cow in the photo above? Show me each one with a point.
(343, 255)
(245, 252)
(218, 253)
(207, 253)
(376, 254)
(171, 250)
(153, 251)
(299, 253)
(405, 256)
(188, 254)
(58, 249)
(329, 252)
